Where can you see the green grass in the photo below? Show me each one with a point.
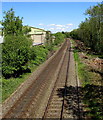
(91, 89)
(55, 48)
(82, 70)
(11, 84)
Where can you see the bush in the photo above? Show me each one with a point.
(15, 55)
(59, 38)
(40, 54)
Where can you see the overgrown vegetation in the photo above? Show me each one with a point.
(16, 55)
(16, 48)
(40, 54)
(91, 89)
(90, 32)
(59, 38)
(82, 70)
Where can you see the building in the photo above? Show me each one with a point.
(38, 35)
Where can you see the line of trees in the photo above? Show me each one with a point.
(91, 30)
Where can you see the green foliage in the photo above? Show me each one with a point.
(40, 54)
(59, 38)
(74, 34)
(82, 70)
(91, 30)
(93, 98)
(49, 42)
(12, 25)
(91, 93)
(15, 55)
(10, 85)
(16, 47)
(26, 30)
(18, 53)
(48, 38)
(67, 34)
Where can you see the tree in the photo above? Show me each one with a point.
(26, 30)
(48, 38)
(59, 38)
(91, 30)
(67, 34)
(16, 53)
(16, 49)
(12, 25)
(74, 34)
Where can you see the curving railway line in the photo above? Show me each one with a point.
(46, 88)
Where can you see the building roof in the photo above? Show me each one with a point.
(37, 28)
(36, 31)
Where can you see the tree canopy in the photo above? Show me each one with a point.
(91, 30)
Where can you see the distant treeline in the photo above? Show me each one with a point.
(91, 30)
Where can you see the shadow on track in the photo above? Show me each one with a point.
(83, 102)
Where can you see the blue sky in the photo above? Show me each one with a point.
(53, 16)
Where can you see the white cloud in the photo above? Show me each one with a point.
(41, 24)
(58, 28)
(67, 27)
(51, 28)
(59, 25)
(56, 25)
(51, 25)
(69, 24)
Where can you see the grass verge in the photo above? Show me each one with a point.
(10, 85)
(91, 89)
(83, 72)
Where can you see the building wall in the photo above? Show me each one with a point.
(38, 36)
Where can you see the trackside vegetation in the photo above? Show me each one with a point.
(90, 31)
(19, 57)
(91, 87)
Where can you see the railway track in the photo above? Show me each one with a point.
(59, 95)
(55, 106)
(29, 103)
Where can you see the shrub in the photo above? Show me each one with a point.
(40, 54)
(59, 38)
(15, 55)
